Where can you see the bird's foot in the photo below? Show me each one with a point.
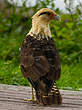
(53, 97)
(29, 100)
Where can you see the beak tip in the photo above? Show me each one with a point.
(57, 17)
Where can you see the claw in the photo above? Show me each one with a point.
(31, 100)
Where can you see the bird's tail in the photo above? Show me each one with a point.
(57, 95)
(53, 97)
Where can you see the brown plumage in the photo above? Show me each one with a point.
(39, 59)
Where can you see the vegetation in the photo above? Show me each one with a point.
(66, 33)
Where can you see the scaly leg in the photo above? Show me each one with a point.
(32, 94)
(33, 99)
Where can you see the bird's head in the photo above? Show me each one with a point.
(41, 20)
(45, 15)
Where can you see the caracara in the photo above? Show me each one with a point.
(39, 58)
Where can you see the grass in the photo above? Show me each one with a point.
(71, 77)
(10, 74)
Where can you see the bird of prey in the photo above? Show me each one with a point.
(39, 58)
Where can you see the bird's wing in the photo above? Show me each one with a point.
(32, 66)
(51, 53)
(57, 63)
(40, 64)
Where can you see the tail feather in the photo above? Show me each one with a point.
(53, 97)
(56, 93)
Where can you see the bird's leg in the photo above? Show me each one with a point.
(32, 93)
(32, 99)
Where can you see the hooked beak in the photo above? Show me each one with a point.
(57, 17)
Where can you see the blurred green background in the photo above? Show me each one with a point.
(15, 23)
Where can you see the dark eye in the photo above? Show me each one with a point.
(48, 13)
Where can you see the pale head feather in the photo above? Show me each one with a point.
(40, 23)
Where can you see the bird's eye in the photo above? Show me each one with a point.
(48, 13)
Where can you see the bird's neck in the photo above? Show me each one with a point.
(40, 28)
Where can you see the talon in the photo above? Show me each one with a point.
(29, 99)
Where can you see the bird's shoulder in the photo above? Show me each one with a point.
(44, 46)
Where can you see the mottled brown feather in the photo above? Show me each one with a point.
(40, 62)
(40, 58)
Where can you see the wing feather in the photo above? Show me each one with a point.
(32, 66)
(39, 58)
